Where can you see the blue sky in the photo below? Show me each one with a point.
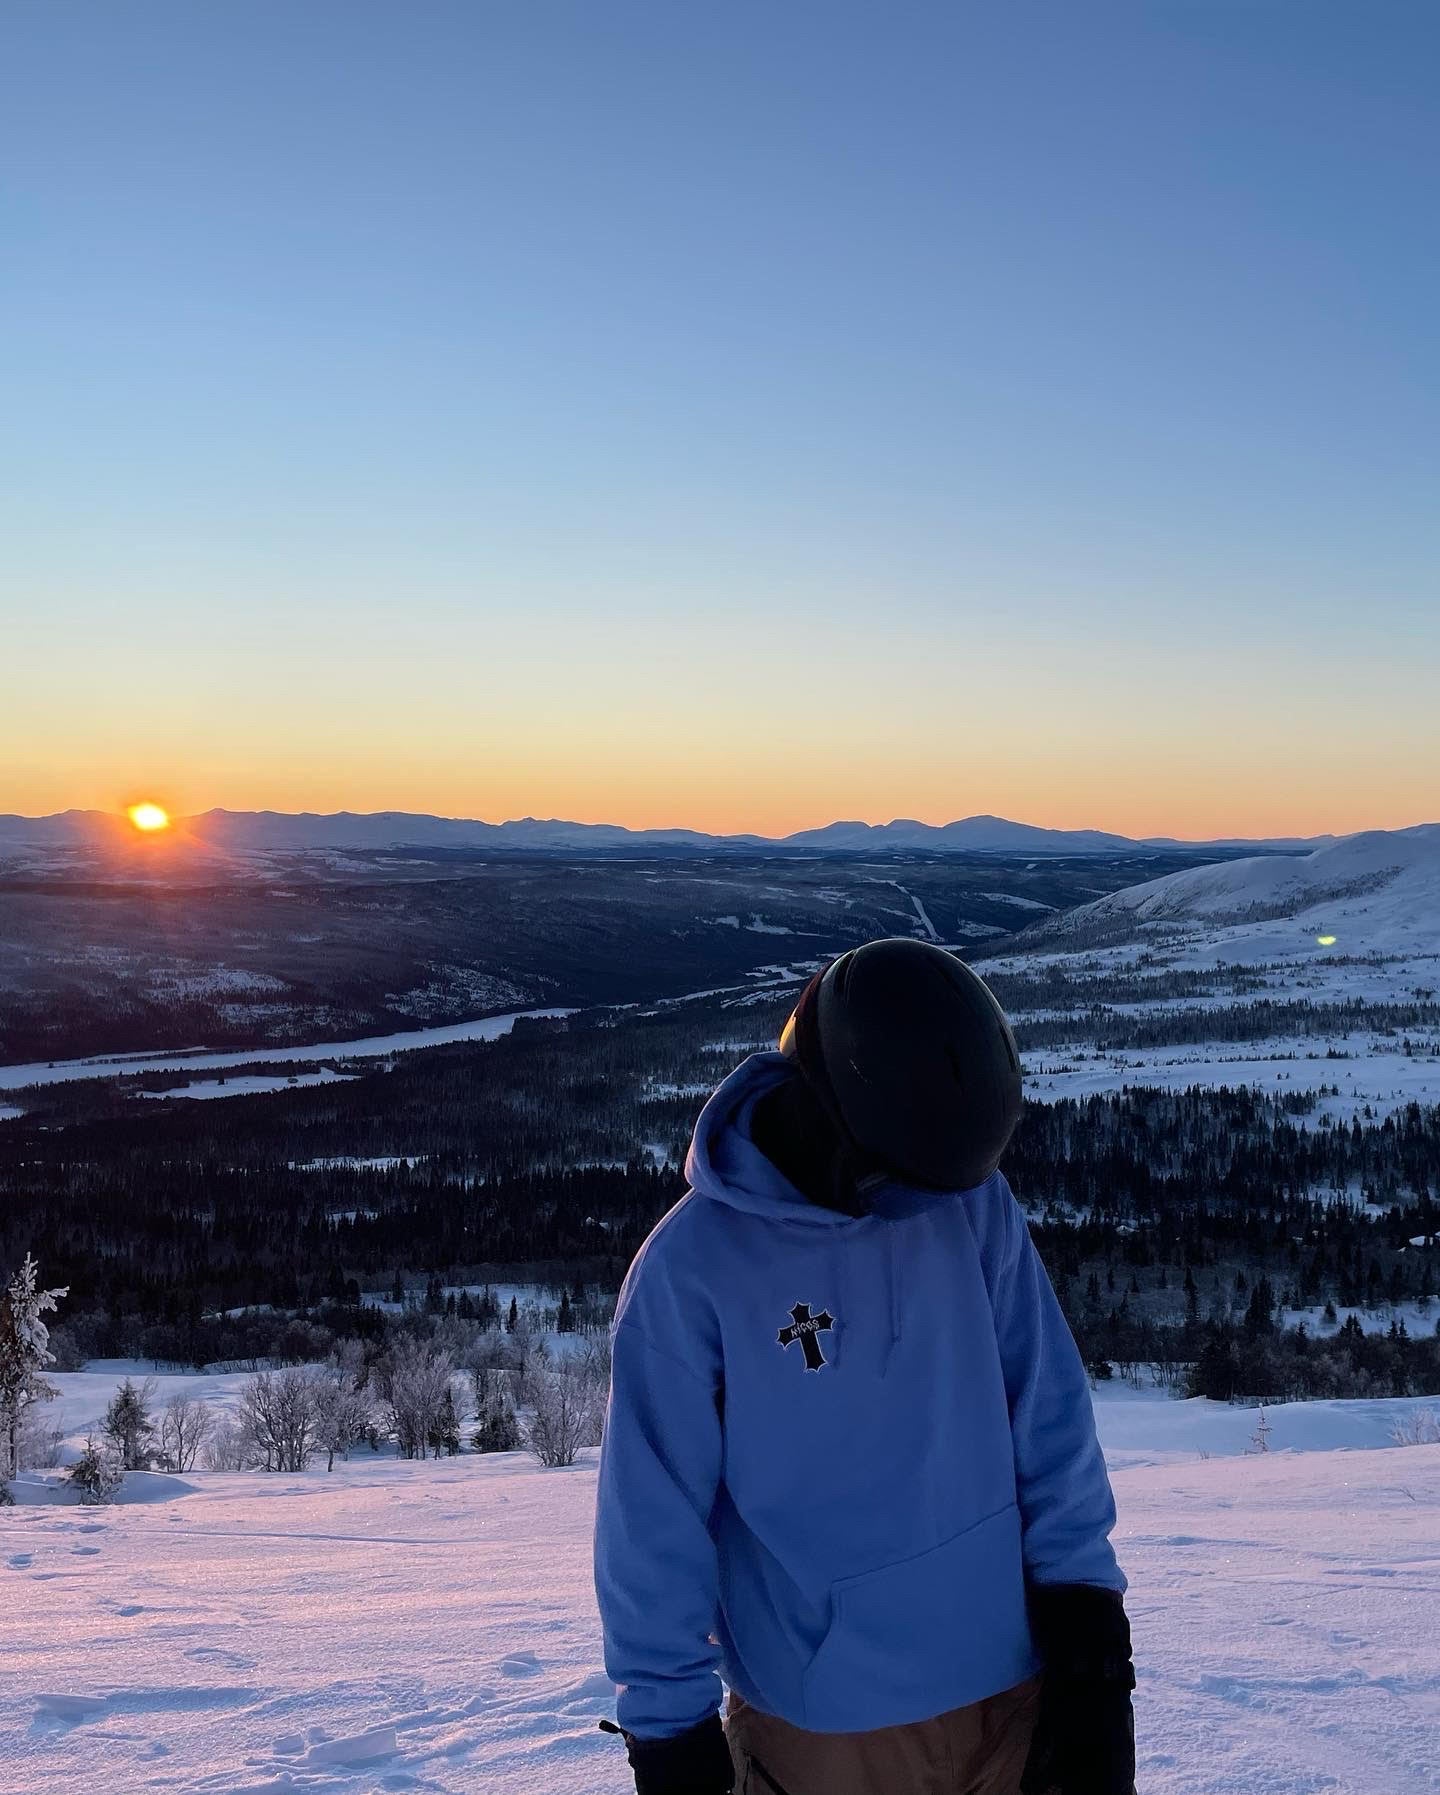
(737, 416)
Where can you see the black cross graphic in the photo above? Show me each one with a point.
(807, 1328)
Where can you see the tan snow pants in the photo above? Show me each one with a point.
(977, 1750)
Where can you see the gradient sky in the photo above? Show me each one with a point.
(738, 416)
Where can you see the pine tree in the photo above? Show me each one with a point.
(1215, 1373)
(129, 1426)
(97, 1474)
(497, 1429)
(24, 1354)
(1259, 1315)
(445, 1434)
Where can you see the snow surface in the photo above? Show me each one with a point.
(432, 1626)
(1384, 1080)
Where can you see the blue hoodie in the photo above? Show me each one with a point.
(837, 1448)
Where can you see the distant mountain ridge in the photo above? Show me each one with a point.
(270, 831)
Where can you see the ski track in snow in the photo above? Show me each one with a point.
(432, 1627)
(921, 914)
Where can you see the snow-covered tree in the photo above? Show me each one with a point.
(129, 1424)
(97, 1473)
(24, 1354)
(342, 1404)
(185, 1426)
(278, 1411)
(415, 1383)
(567, 1413)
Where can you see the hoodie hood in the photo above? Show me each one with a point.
(725, 1164)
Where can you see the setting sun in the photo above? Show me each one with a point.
(148, 817)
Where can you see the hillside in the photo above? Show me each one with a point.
(433, 1626)
(327, 946)
(1374, 893)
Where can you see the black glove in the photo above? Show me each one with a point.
(696, 1762)
(1085, 1735)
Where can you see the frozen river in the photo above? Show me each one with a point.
(198, 1059)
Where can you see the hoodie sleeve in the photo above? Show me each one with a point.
(656, 1575)
(1066, 1506)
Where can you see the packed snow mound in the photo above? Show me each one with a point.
(39, 1491)
(432, 1625)
(1374, 892)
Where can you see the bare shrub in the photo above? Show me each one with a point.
(39, 1447)
(278, 1413)
(343, 1409)
(593, 1362)
(1422, 1428)
(185, 1425)
(567, 1413)
(229, 1447)
(415, 1382)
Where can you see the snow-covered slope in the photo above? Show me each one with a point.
(1378, 892)
(432, 1626)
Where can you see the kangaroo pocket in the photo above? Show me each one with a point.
(930, 1633)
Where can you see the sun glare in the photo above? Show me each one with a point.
(148, 817)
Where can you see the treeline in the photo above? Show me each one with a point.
(1133, 1192)
(1256, 1359)
(1160, 1157)
(184, 1245)
(231, 1230)
(1079, 988)
(1320, 1025)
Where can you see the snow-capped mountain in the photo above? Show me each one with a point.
(972, 834)
(1376, 892)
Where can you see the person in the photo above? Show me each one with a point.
(850, 1461)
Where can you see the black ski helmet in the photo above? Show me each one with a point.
(913, 1061)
